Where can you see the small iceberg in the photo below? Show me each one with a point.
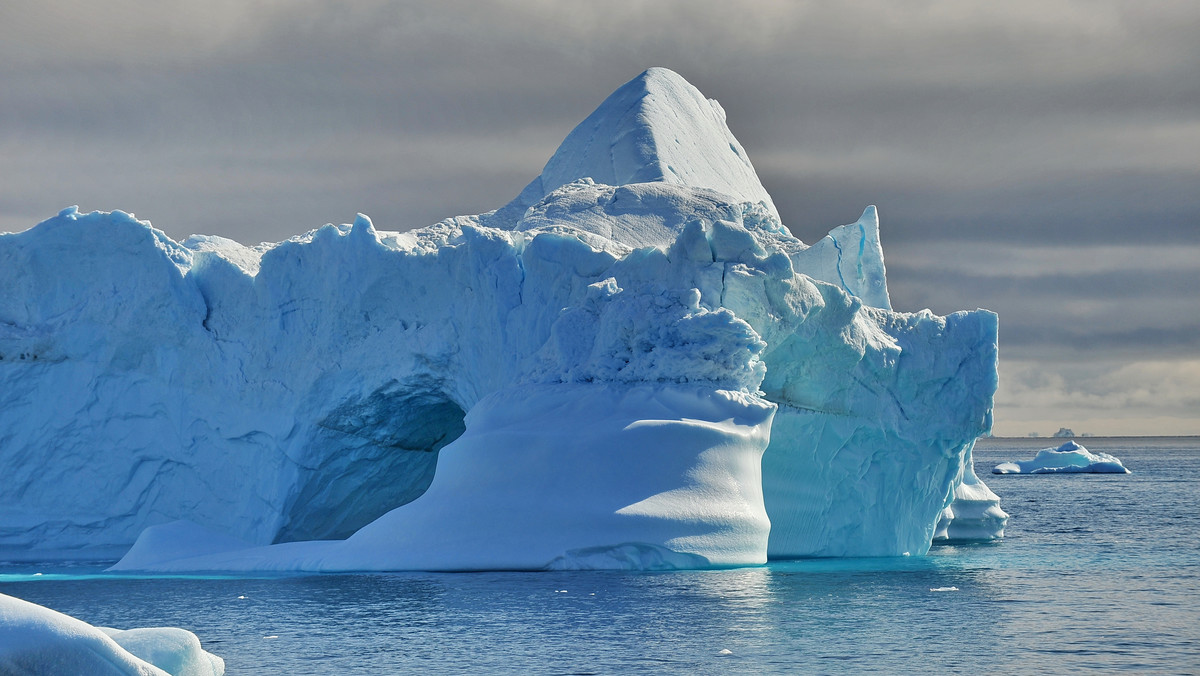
(1068, 458)
(37, 640)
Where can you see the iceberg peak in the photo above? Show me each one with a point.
(655, 128)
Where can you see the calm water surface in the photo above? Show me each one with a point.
(1098, 573)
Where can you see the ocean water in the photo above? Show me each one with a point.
(1098, 573)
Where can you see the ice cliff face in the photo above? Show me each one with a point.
(633, 364)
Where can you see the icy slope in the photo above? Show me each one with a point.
(304, 390)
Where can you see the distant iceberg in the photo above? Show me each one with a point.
(632, 364)
(37, 640)
(1070, 458)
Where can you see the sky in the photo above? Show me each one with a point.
(1037, 158)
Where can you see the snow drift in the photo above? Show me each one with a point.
(634, 363)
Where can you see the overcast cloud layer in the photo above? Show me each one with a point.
(1041, 159)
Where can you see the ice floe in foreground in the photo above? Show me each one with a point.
(633, 364)
(1070, 458)
(37, 640)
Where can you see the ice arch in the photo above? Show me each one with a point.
(387, 445)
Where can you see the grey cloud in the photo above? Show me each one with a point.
(978, 129)
(1071, 315)
(256, 195)
(1108, 285)
(1129, 208)
(1022, 261)
(1068, 341)
(1028, 120)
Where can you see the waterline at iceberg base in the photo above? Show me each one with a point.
(634, 364)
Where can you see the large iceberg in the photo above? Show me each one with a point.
(632, 364)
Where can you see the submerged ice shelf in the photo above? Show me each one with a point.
(633, 364)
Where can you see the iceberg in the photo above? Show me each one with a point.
(633, 364)
(1070, 458)
(37, 640)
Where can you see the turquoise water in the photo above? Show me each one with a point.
(1098, 573)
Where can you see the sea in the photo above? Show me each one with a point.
(1097, 574)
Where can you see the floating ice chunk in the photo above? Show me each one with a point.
(37, 640)
(1070, 458)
